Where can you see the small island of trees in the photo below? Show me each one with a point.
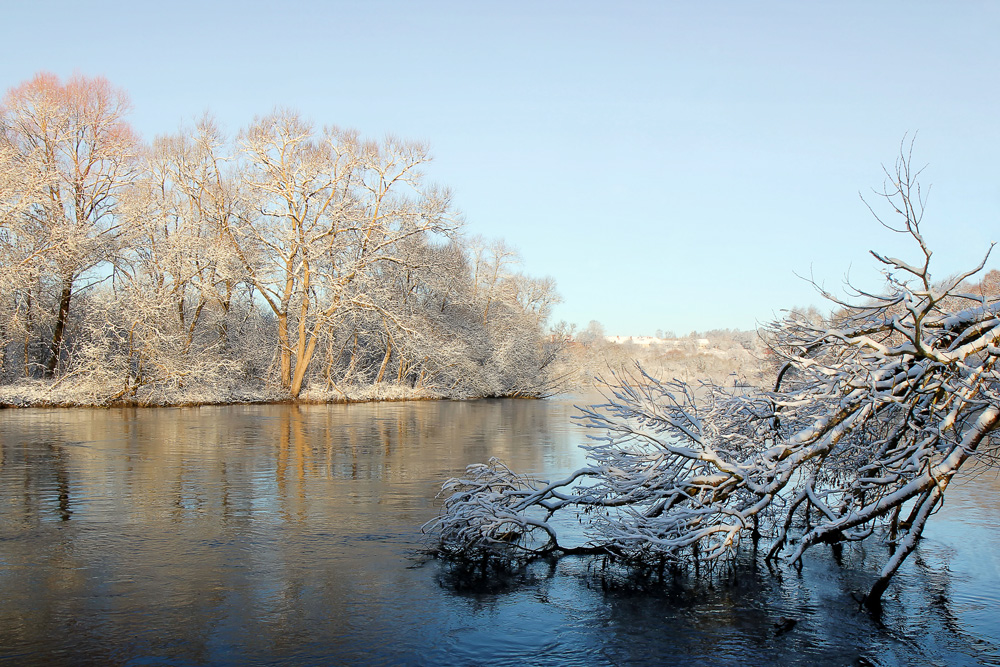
(283, 263)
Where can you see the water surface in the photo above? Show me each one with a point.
(268, 535)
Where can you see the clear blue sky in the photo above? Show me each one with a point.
(672, 165)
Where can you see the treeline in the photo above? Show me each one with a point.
(283, 262)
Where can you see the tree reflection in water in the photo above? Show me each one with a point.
(284, 534)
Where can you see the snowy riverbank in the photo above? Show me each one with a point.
(47, 394)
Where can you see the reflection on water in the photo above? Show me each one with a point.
(283, 534)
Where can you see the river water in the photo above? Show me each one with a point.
(290, 535)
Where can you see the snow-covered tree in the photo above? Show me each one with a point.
(133, 272)
(78, 152)
(178, 238)
(872, 414)
(330, 207)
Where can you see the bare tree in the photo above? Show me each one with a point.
(24, 250)
(328, 208)
(873, 413)
(74, 136)
(178, 250)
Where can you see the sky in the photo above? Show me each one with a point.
(674, 166)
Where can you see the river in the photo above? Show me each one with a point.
(290, 535)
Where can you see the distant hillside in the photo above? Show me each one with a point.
(724, 357)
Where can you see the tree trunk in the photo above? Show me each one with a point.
(27, 337)
(354, 360)
(301, 364)
(385, 362)
(286, 352)
(57, 335)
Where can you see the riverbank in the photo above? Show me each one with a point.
(577, 369)
(61, 394)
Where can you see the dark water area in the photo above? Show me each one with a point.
(284, 535)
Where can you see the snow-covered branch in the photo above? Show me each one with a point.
(875, 410)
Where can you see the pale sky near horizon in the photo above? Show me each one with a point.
(672, 165)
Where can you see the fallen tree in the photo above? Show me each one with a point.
(873, 412)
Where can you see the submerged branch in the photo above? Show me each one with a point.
(873, 412)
